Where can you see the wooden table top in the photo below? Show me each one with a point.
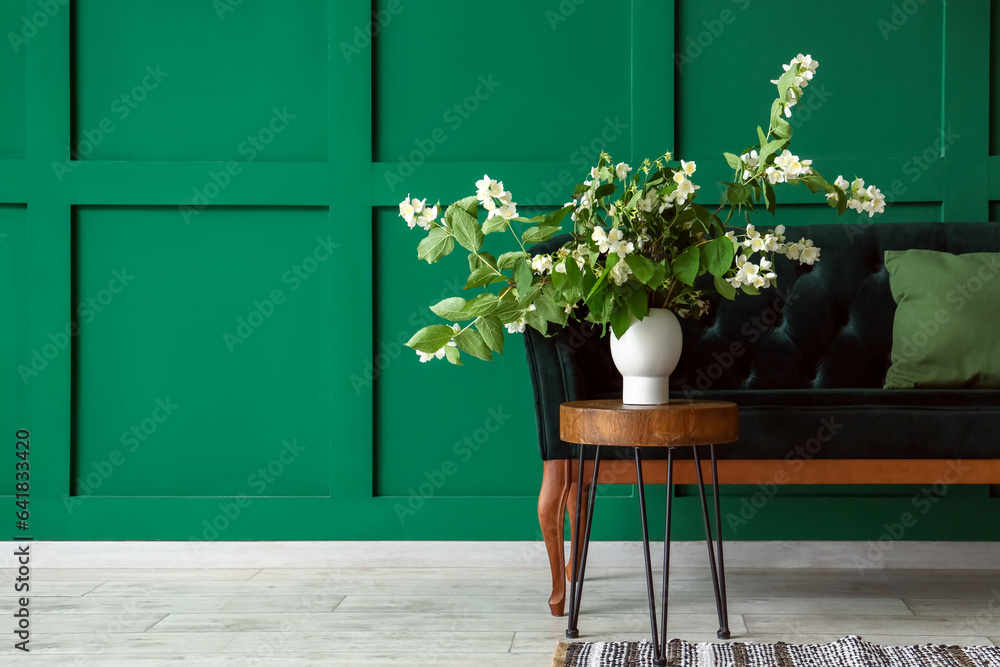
(680, 423)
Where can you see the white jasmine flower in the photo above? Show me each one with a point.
(561, 267)
(483, 187)
(748, 273)
(617, 244)
(408, 208)
(427, 216)
(507, 211)
(601, 238)
(732, 237)
(427, 356)
(688, 167)
(541, 264)
(646, 203)
(770, 243)
(684, 189)
(595, 174)
(877, 200)
(810, 254)
(779, 231)
(804, 251)
(791, 166)
(570, 307)
(587, 199)
(774, 176)
(578, 256)
(622, 170)
(516, 327)
(620, 273)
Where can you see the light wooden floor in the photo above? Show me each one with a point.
(461, 615)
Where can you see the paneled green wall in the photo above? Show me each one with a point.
(205, 288)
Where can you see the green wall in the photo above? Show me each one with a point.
(203, 300)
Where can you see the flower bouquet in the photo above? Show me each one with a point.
(639, 240)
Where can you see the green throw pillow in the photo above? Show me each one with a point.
(946, 333)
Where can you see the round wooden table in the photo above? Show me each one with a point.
(680, 423)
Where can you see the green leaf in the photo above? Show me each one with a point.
(560, 279)
(605, 190)
(782, 129)
(769, 149)
(786, 80)
(507, 260)
(452, 354)
(595, 300)
(555, 218)
(717, 255)
(686, 265)
(641, 267)
(529, 296)
(452, 309)
(483, 304)
(608, 265)
(725, 290)
(431, 339)
(497, 223)
(636, 298)
(769, 201)
(734, 161)
(471, 341)
(479, 259)
(621, 319)
(436, 245)
(750, 289)
(538, 234)
(508, 309)
(737, 194)
(704, 217)
(468, 204)
(841, 202)
(481, 277)
(659, 273)
(466, 228)
(522, 275)
(492, 331)
(546, 306)
(536, 322)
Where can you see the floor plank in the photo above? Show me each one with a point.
(451, 617)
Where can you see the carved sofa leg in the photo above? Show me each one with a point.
(552, 519)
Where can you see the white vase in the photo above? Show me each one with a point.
(646, 355)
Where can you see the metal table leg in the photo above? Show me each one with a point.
(718, 574)
(579, 549)
(658, 656)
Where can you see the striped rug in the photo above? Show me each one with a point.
(850, 651)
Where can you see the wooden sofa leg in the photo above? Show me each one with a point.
(552, 519)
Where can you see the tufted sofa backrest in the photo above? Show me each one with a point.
(824, 326)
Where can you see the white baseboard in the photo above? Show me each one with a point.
(166, 555)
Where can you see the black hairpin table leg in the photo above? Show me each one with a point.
(579, 548)
(718, 574)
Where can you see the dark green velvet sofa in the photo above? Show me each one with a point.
(805, 361)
